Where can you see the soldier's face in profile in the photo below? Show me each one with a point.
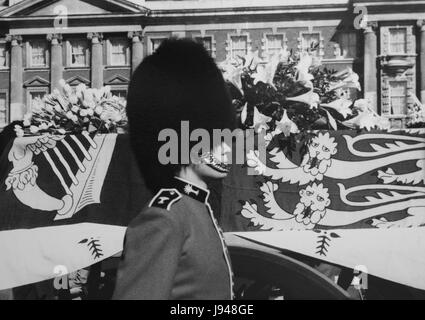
(215, 165)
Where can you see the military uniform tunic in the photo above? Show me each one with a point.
(174, 249)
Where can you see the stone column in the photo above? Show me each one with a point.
(96, 59)
(421, 25)
(17, 107)
(370, 60)
(56, 63)
(136, 48)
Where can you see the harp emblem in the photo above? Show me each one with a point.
(78, 162)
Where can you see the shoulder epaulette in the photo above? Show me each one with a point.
(165, 198)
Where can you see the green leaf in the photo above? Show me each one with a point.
(332, 121)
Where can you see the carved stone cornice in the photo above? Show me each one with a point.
(14, 39)
(54, 38)
(421, 25)
(135, 36)
(95, 37)
(371, 26)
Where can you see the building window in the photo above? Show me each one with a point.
(155, 43)
(238, 46)
(119, 54)
(120, 92)
(398, 97)
(207, 42)
(78, 53)
(348, 44)
(398, 40)
(274, 43)
(34, 95)
(310, 42)
(3, 110)
(4, 56)
(38, 53)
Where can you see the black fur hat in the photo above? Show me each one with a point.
(179, 82)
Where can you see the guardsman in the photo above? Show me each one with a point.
(174, 249)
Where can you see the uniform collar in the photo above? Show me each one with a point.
(191, 190)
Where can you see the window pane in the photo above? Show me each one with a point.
(309, 41)
(239, 46)
(78, 52)
(156, 43)
(120, 93)
(119, 52)
(398, 97)
(38, 53)
(398, 41)
(3, 55)
(274, 43)
(36, 95)
(348, 44)
(3, 109)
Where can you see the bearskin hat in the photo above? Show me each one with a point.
(179, 82)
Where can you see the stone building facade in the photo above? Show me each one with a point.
(100, 42)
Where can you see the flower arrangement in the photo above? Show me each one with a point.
(72, 111)
(416, 114)
(293, 95)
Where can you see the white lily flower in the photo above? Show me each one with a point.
(68, 90)
(260, 121)
(104, 116)
(303, 67)
(48, 108)
(347, 79)
(284, 55)
(233, 75)
(286, 125)
(43, 126)
(34, 129)
(79, 90)
(340, 105)
(361, 104)
(310, 98)
(266, 73)
(98, 110)
(18, 130)
(367, 117)
(73, 99)
(251, 60)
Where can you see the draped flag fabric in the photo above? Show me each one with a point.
(355, 198)
(65, 202)
(372, 183)
(395, 254)
(345, 180)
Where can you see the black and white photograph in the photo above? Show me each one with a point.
(212, 150)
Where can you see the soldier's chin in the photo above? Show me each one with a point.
(212, 172)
